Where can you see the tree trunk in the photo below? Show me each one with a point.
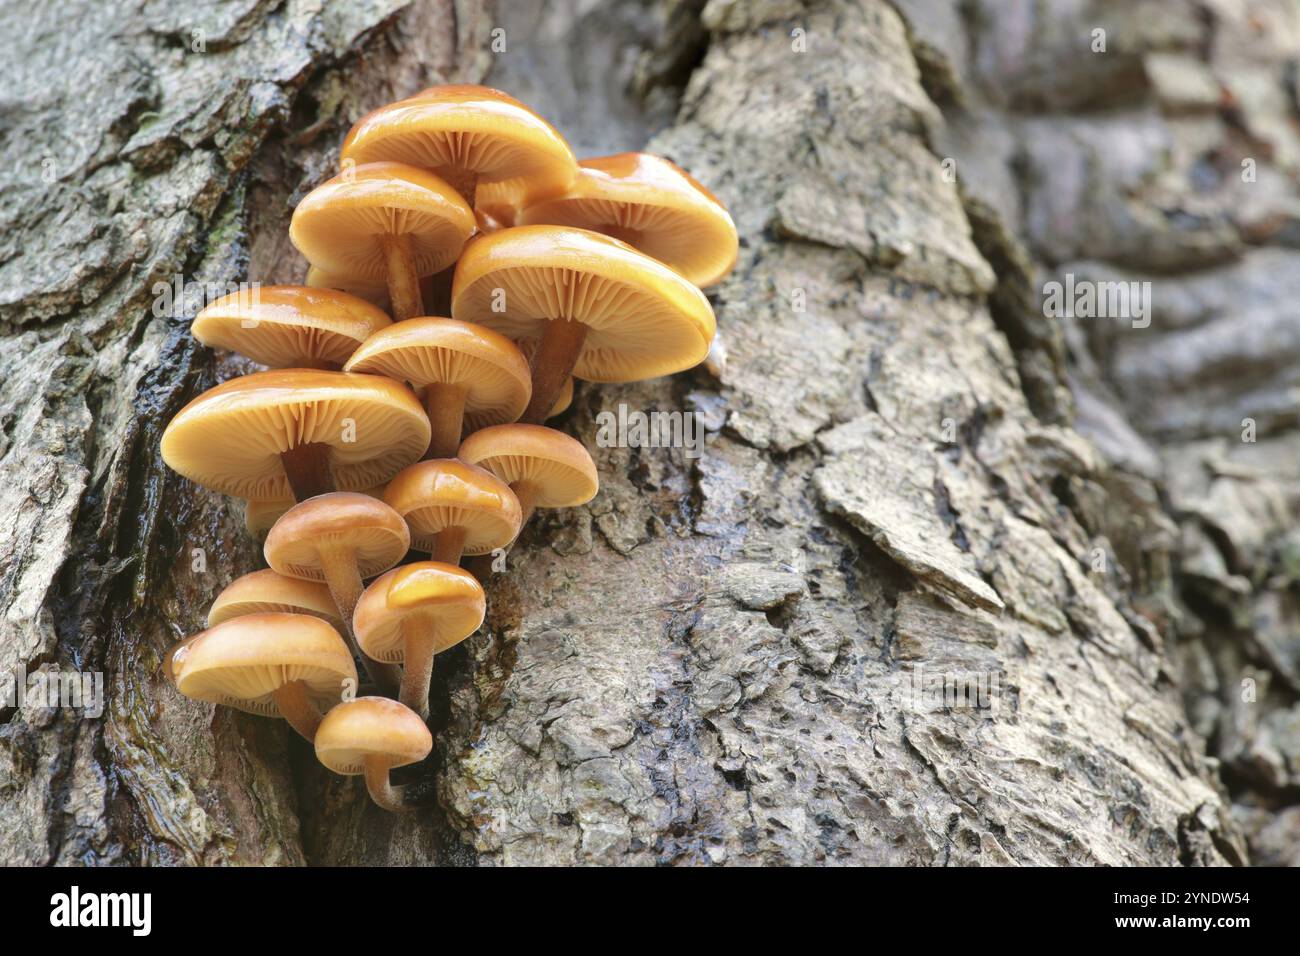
(722, 658)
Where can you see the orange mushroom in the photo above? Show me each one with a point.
(372, 735)
(454, 508)
(543, 467)
(598, 309)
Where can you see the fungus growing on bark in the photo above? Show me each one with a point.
(371, 736)
(454, 508)
(543, 467)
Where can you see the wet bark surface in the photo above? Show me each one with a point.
(909, 469)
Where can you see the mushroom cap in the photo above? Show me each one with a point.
(449, 493)
(289, 326)
(375, 532)
(643, 319)
(467, 130)
(242, 662)
(261, 516)
(371, 727)
(563, 400)
(374, 291)
(448, 600)
(231, 437)
(651, 204)
(339, 225)
(425, 351)
(268, 592)
(556, 465)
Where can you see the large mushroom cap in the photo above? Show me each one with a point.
(557, 466)
(371, 727)
(448, 601)
(341, 224)
(288, 326)
(447, 493)
(267, 592)
(652, 205)
(374, 532)
(231, 437)
(427, 351)
(466, 131)
(643, 319)
(242, 662)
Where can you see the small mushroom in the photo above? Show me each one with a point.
(652, 205)
(276, 665)
(267, 592)
(289, 326)
(383, 221)
(341, 539)
(467, 135)
(372, 735)
(543, 467)
(469, 375)
(296, 433)
(598, 309)
(454, 508)
(414, 612)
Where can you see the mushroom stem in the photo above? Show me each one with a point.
(403, 283)
(296, 707)
(526, 492)
(308, 469)
(344, 580)
(553, 362)
(449, 545)
(445, 405)
(382, 791)
(417, 664)
(463, 181)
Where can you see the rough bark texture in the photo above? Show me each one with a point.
(909, 467)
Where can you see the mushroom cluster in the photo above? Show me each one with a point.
(387, 449)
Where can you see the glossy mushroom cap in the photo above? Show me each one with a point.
(558, 467)
(427, 351)
(448, 600)
(371, 727)
(231, 437)
(341, 224)
(289, 326)
(266, 592)
(261, 516)
(446, 493)
(374, 532)
(644, 320)
(466, 131)
(374, 291)
(652, 205)
(244, 661)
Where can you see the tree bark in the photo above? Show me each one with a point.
(717, 660)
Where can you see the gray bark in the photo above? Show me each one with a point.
(909, 468)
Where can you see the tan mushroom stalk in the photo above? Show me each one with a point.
(543, 467)
(468, 375)
(468, 135)
(275, 665)
(652, 205)
(454, 508)
(414, 612)
(598, 309)
(296, 434)
(371, 736)
(341, 539)
(383, 221)
(287, 326)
